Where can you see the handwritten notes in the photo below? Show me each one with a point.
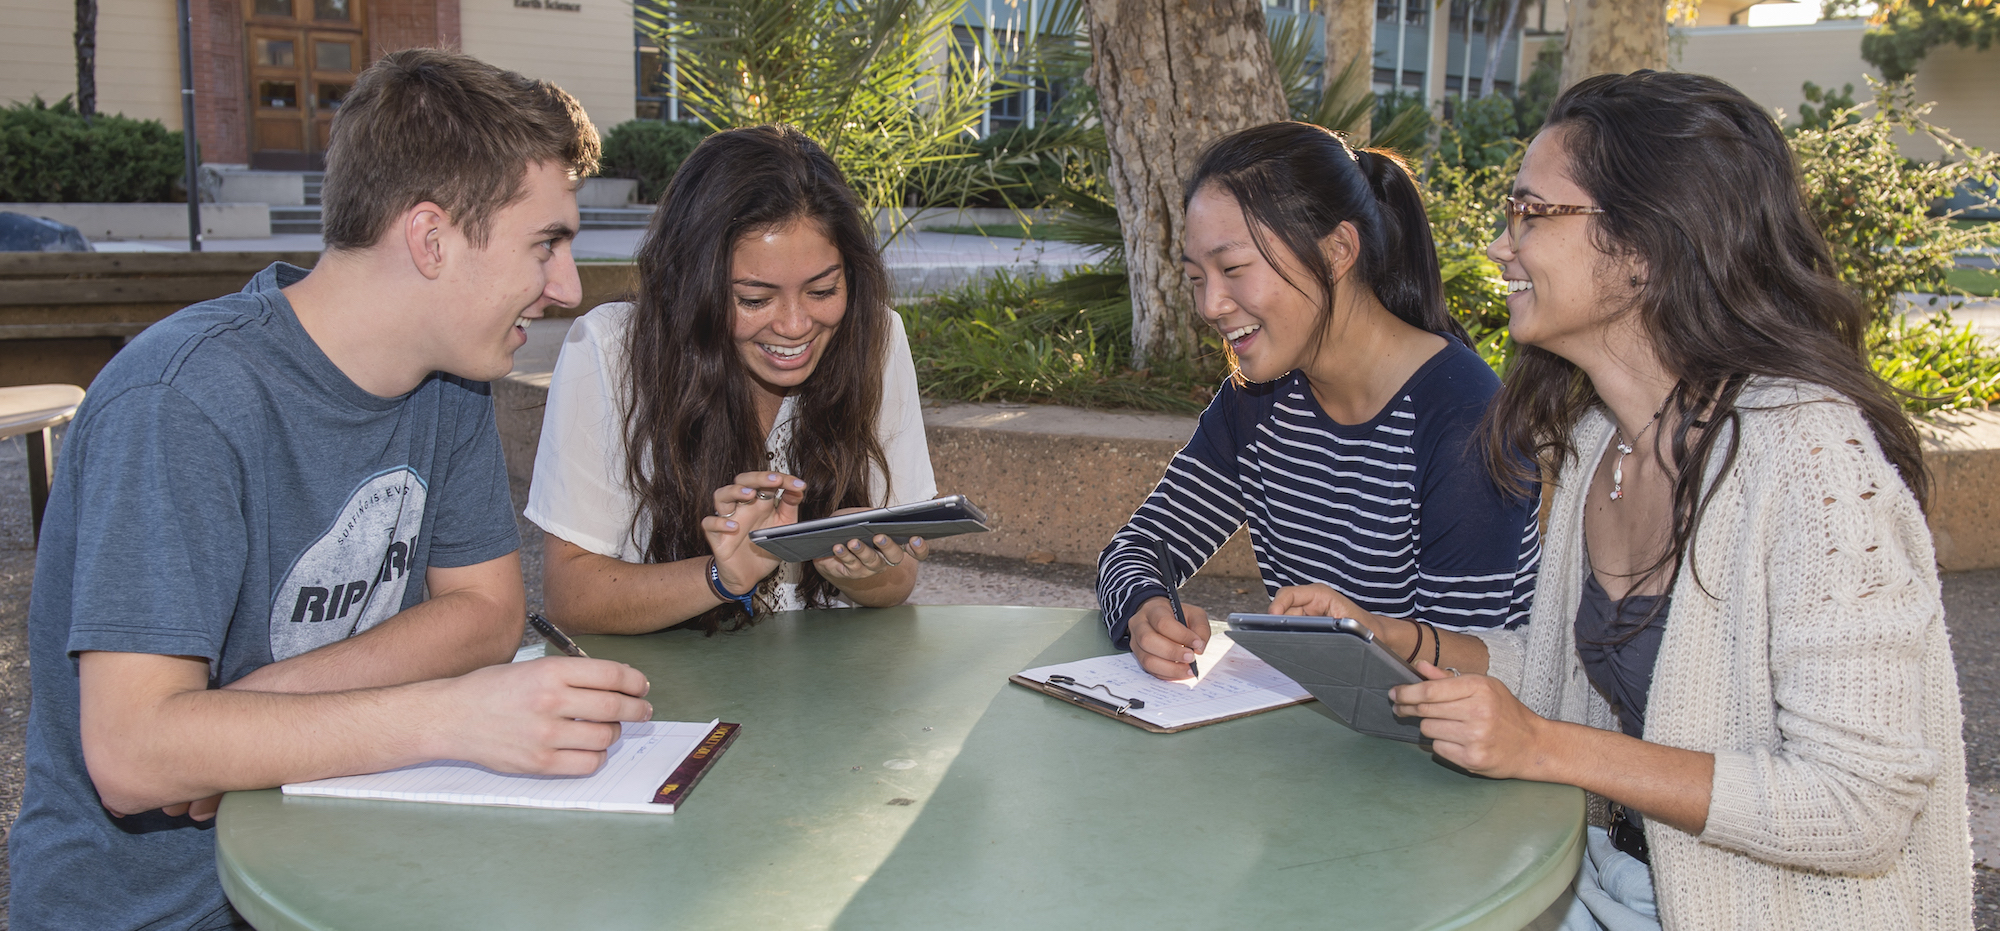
(634, 767)
(1232, 682)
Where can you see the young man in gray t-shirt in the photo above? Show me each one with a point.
(280, 545)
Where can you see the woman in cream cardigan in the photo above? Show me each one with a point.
(1737, 645)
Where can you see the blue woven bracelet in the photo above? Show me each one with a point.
(715, 582)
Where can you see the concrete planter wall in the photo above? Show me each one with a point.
(607, 192)
(243, 186)
(100, 222)
(1060, 481)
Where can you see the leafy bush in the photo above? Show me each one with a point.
(1824, 106)
(1480, 133)
(1941, 366)
(1873, 205)
(1538, 90)
(649, 151)
(1067, 341)
(51, 154)
(1907, 31)
(1464, 208)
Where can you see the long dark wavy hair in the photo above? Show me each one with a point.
(1297, 182)
(1696, 182)
(691, 423)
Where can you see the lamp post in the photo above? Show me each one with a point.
(187, 127)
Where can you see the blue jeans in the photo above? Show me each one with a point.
(1614, 891)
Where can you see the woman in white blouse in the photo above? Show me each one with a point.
(759, 379)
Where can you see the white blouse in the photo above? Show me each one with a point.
(580, 492)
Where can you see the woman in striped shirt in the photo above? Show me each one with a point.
(1344, 436)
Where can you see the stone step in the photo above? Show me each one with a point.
(313, 182)
(296, 219)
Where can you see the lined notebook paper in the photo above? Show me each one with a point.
(649, 769)
(1233, 683)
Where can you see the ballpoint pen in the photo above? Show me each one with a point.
(553, 635)
(1173, 591)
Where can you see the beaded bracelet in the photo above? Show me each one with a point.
(1437, 644)
(715, 584)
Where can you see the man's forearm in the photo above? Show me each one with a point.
(154, 734)
(200, 742)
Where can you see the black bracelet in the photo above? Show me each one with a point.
(1417, 647)
(1437, 644)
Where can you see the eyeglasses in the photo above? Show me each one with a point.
(1516, 210)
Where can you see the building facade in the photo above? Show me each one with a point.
(269, 74)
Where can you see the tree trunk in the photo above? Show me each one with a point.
(1613, 37)
(1496, 42)
(1170, 78)
(1350, 37)
(86, 57)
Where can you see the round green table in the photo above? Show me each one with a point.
(889, 776)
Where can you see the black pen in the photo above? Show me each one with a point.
(1173, 591)
(555, 636)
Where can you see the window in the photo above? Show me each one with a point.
(330, 96)
(333, 56)
(276, 53)
(283, 95)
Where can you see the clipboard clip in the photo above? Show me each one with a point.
(1127, 704)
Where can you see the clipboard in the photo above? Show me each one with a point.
(1110, 711)
(1234, 684)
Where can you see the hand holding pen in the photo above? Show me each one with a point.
(1168, 637)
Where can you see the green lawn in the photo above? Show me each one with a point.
(1980, 281)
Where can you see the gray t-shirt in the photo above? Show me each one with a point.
(226, 493)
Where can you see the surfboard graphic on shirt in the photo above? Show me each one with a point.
(353, 577)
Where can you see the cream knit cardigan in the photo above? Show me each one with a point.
(1811, 659)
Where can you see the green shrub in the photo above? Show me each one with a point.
(649, 151)
(51, 154)
(1538, 90)
(1942, 366)
(1874, 205)
(1480, 133)
(1067, 341)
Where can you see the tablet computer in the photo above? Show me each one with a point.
(1339, 662)
(812, 539)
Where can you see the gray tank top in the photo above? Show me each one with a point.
(1619, 662)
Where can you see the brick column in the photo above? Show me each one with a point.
(221, 97)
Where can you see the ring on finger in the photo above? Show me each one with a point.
(766, 495)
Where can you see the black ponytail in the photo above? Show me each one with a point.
(1297, 182)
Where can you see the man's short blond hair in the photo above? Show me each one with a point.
(441, 126)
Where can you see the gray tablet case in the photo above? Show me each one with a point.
(1350, 676)
(809, 540)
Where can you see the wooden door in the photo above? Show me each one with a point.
(303, 56)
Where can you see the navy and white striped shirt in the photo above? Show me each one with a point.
(1398, 513)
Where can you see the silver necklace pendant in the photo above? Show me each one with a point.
(1618, 470)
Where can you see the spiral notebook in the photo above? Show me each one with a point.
(649, 770)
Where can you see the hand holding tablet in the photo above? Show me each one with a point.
(813, 539)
